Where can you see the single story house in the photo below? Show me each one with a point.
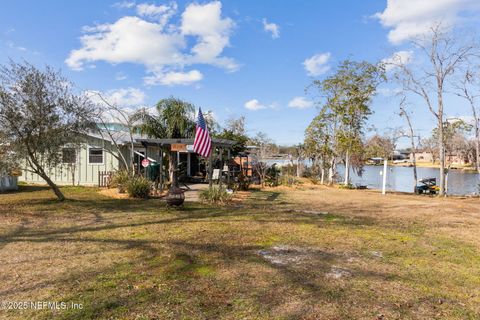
(425, 156)
(421, 156)
(91, 163)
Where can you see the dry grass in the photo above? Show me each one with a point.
(308, 253)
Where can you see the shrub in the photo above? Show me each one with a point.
(314, 180)
(243, 182)
(286, 180)
(216, 194)
(271, 178)
(120, 180)
(346, 186)
(311, 172)
(138, 187)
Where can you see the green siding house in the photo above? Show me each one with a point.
(89, 163)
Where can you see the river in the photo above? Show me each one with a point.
(401, 178)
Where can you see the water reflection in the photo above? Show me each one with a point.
(401, 178)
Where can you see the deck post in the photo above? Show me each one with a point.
(146, 158)
(221, 168)
(189, 164)
(228, 167)
(210, 169)
(161, 169)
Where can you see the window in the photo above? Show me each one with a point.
(69, 155)
(95, 155)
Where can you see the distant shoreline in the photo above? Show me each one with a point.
(467, 169)
(422, 164)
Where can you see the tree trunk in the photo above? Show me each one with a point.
(412, 143)
(297, 169)
(331, 171)
(52, 185)
(477, 143)
(347, 168)
(476, 128)
(38, 169)
(477, 151)
(442, 169)
(72, 169)
(441, 142)
(415, 176)
(172, 168)
(322, 176)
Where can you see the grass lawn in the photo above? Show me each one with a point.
(309, 253)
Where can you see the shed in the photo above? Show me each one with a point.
(8, 183)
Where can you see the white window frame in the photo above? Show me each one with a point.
(96, 163)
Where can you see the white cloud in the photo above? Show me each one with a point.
(125, 97)
(129, 39)
(300, 103)
(389, 92)
(12, 45)
(211, 31)
(412, 18)
(470, 120)
(161, 13)
(272, 28)
(145, 9)
(398, 58)
(124, 4)
(317, 64)
(174, 78)
(255, 105)
(165, 51)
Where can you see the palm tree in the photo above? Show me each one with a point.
(174, 120)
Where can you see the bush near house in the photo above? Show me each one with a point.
(120, 180)
(216, 194)
(138, 187)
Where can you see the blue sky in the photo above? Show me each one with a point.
(251, 58)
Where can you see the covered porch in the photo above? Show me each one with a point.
(190, 166)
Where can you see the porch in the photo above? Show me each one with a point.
(190, 166)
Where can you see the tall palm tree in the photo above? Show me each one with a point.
(174, 119)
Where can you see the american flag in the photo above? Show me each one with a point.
(202, 144)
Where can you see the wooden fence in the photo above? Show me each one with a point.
(104, 178)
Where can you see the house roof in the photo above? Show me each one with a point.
(123, 137)
(225, 143)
